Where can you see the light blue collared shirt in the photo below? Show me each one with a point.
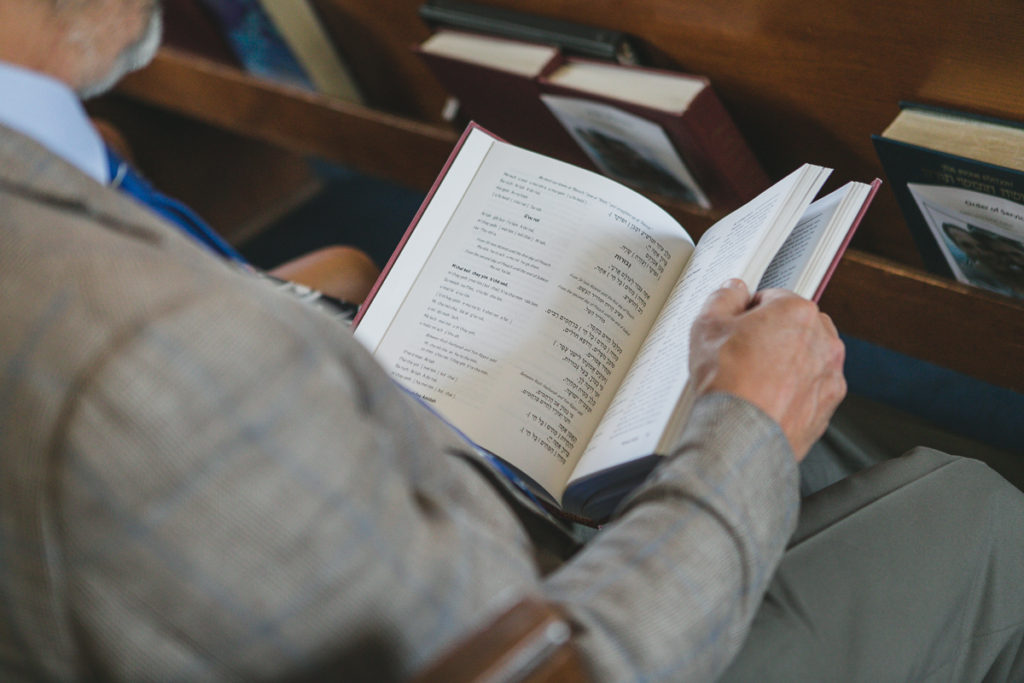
(49, 112)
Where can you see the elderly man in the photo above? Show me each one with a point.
(167, 512)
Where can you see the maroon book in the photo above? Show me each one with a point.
(503, 97)
(693, 118)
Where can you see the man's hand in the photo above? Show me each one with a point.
(775, 350)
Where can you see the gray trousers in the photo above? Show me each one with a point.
(912, 570)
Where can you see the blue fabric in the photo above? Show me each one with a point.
(129, 181)
(957, 402)
(499, 465)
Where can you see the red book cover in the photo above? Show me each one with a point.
(704, 135)
(875, 184)
(412, 225)
(506, 102)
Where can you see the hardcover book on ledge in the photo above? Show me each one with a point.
(959, 181)
(544, 310)
(658, 131)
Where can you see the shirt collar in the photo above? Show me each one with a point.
(50, 113)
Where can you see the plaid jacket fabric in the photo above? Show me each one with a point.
(201, 478)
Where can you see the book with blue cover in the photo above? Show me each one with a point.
(257, 43)
(959, 181)
(298, 23)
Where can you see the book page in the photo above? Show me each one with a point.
(807, 253)
(520, 318)
(666, 90)
(643, 409)
(992, 142)
(526, 59)
(784, 270)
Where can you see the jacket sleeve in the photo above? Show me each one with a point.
(670, 589)
(257, 499)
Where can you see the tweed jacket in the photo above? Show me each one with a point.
(203, 479)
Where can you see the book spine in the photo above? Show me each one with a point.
(961, 114)
(571, 37)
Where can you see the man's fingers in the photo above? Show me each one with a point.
(767, 297)
(728, 300)
(774, 349)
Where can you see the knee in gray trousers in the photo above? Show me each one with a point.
(912, 570)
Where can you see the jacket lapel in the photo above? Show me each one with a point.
(29, 169)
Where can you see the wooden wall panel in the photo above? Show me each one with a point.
(804, 81)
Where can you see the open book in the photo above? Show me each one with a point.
(544, 310)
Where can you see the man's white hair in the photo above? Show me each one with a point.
(134, 56)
